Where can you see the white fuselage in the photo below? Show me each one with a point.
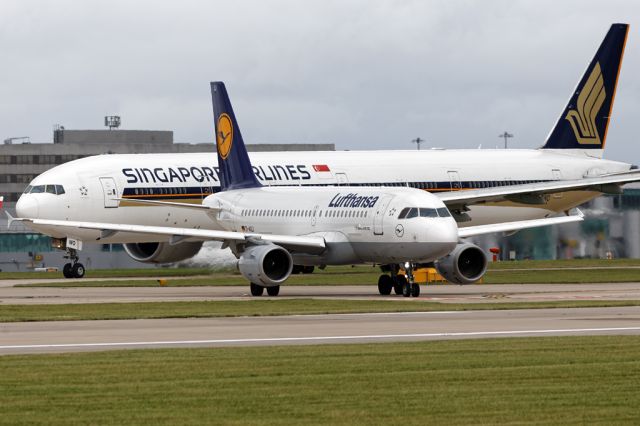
(92, 185)
(360, 225)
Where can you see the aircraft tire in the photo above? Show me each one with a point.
(256, 290)
(273, 291)
(78, 270)
(415, 290)
(385, 284)
(406, 290)
(67, 270)
(399, 284)
(308, 269)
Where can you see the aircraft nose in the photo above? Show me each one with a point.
(27, 207)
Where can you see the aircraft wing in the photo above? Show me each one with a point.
(308, 244)
(472, 231)
(534, 193)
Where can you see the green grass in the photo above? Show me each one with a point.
(263, 307)
(553, 380)
(565, 263)
(110, 273)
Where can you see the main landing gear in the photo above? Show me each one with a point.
(399, 283)
(74, 269)
(258, 290)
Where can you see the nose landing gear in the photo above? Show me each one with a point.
(399, 283)
(74, 269)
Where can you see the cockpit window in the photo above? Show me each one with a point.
(443, 212)
(411, 212)
(39, 189)
(428, 212)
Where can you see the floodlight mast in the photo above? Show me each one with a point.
(505, 135)
(112, 121)
(418, 141)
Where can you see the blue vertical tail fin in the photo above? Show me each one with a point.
(584, 122)
(234, 166)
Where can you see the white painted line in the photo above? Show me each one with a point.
(318, 338)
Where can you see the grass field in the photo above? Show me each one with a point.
(264, 307)
(568, 380)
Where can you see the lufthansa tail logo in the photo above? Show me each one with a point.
(224, 136)
(590, 100)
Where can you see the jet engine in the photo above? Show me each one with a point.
(162, 252)
(465, 264)
(266, 265)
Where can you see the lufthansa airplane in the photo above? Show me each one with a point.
(271, 228)
(479, 187)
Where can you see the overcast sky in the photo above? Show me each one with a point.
(361, 74)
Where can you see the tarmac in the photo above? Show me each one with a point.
(74, 336)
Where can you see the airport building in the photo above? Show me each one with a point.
(20, 161)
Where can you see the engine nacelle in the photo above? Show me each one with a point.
(266, 265)
(466, 264)
(162, 252)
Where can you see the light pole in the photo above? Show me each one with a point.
(418, 141)
(505, 135)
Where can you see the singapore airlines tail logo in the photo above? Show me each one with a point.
(224, 137)
(590, 100)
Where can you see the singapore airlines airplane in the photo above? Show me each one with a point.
(479, 187)
(271, 228)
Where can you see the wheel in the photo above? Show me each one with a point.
(77, 270)
(415, 290)
(297, 269)
(406, 290)
(273, 291)
(256, 290)
(307, 269)
(66, 271)
(385, 284)
(399, 283)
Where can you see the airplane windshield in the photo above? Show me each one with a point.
(411, 212)
(39, 189)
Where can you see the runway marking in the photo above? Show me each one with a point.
(317, 338)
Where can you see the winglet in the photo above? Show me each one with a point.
(584, 122)
(10, 219)
(235, 171)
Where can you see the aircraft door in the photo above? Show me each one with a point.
(454, 178)
(110, 192)
(378, 217)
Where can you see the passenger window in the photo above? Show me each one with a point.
(428, 212)
(443, 212)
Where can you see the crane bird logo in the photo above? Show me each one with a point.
(224, 135)
(590, 101)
